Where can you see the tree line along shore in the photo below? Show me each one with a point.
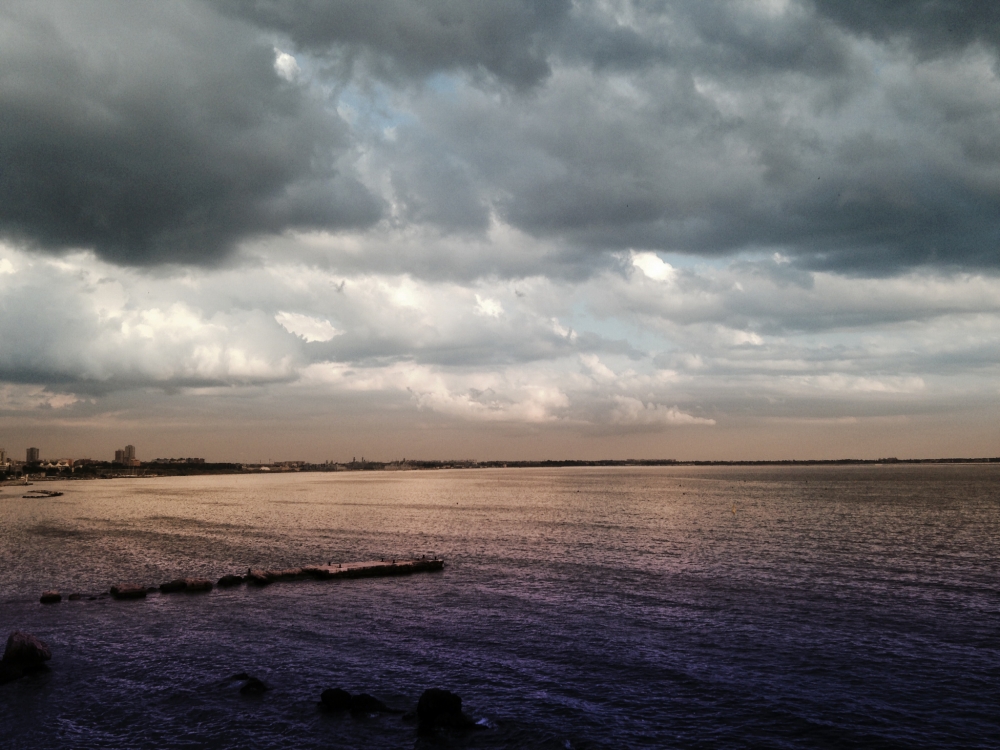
(109, 470)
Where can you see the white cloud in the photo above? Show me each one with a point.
(609, 352)
(632, 411)
(490, 308)
(653, 267)
(285, 65)
(306, 326)
(32, 397)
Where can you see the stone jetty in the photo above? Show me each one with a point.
(373, 569)
(266, 576)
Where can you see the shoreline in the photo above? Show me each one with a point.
(155, 471)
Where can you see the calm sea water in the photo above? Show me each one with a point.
(584, 608)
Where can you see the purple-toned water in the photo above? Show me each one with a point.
(580, 608)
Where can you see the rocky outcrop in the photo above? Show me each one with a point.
(262, 577)
(258, 577)
(50, 597)
(197, 585)
(441, 708)
(253, 686)
(335, 699)
(128, 591)
(178, 584)
(230, 580)
(23, 655)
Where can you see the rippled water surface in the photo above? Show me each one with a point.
(579, 608)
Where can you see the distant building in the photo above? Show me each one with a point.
(33, 454)
(3, 456)
(60, 464)
(119, 456)
(129, 452)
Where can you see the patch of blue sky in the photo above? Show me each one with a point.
(613, 328)
(695, 262)
(443, 83)
(373, 108)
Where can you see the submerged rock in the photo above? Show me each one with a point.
(335, 699)
(50, 597)
(75, 597)
(441, 708)
(367, 704)
(230, 580)
(263, 577)
(253, 686)
(23, 655)
(128, 591)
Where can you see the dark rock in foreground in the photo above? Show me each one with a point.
(178, 584)
(335, 699)
(50, 597)
(128, 591)
(23, 655)
(253, 686)
(75, 597)
(441, 708)
(230, 580)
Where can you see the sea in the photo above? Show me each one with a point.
(660, 607)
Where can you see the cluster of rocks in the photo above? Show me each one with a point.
(23, 655)
(436, 709)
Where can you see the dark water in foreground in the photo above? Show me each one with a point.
(835, 608)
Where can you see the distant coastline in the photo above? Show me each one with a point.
(102, 470)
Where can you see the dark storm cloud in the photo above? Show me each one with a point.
(932, 26)
(159, 133)
(719, 128)
(851, 136)
(407, 38)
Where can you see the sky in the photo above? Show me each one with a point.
(253, 230)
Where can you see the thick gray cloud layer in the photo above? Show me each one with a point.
(510, 39)
(849, 135)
